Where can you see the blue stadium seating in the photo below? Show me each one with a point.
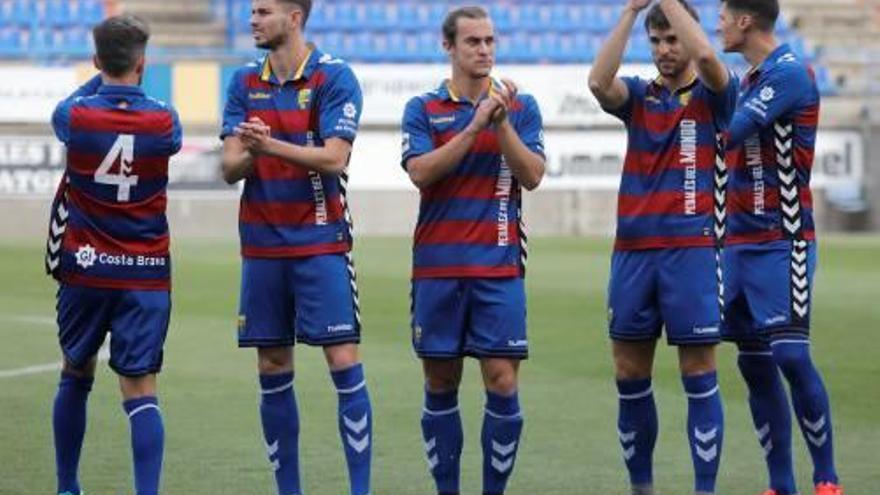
(554, 31)
(47, 28)
(372, 31)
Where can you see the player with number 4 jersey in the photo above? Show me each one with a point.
(108, 248)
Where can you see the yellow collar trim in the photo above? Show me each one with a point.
(454, 97)
(267, 68)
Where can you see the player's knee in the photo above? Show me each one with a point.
(633, 360)
(501, 381)
(632, 368)
(442, 383)
(134, 387)
(792, 358)
(86, 370)
(696, 360)
(275, 360)
(341, 357)
(755, 363)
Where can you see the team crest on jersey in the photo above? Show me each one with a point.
(85, 256)
(304, 98)
(767, 93)
(685, 98)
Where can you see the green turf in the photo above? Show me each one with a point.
(208, 389)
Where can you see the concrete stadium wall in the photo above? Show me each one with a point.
(872, 180)
(547, 213)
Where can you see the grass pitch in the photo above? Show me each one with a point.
(209, 388)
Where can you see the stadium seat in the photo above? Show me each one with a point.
(58, 13)
(502, 17)
(90, 11)
(23, 12)
(379, 16)
(565, 17)
(396, 31)
(10, 41)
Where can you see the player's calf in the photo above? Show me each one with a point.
(811, 405)
(441, 423)
(768, 402)
(69, 425)
(502, 427)
(502, 422)
(705, 425)
(147, 431)
(355, 425)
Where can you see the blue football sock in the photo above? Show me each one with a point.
(705, 428)
(443, 435)
(771, 415)
(147, 443)
(811, 405)
(280, 420)
(69, 424)
(637, 428)
(502, 427)
(355, 425)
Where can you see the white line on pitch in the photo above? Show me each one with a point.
(103, 355)
(34, 320)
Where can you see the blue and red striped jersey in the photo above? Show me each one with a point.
(108, 225)
(287, 210)
(666, 196)
(470, 222)
(770, 150)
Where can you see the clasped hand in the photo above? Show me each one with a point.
(254, 134)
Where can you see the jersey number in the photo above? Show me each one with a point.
(123, 149)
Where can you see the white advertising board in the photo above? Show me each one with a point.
(593, 160)
(576, 160)
(29, 94)
(561, 90)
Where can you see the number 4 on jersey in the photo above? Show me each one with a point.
(123, 149)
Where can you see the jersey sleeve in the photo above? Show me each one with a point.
(61, 115)
(723, 103)
(176, 132)
(530, 125)
(340, 107)
(235, 111)
(416, 131)
(779, 92)
(636, 90)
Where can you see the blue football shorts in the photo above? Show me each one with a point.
(479, 317)
(675, 288)
(137, 321)
(312, 300)
(768, 290)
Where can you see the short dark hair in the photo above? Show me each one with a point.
(450, 24)
(304, 5)
(657, 19)
(765, 12)
(119, 42)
